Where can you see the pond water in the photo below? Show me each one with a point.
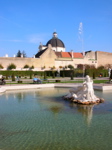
(41, 120)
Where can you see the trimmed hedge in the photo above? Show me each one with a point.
(74, 72)
(29, 73)
(52, 73)
(96, 72)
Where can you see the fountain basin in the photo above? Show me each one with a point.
(84, 94)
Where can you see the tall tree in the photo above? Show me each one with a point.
(24, 54)
(18, 53)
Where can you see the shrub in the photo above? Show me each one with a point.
(26, 66)
(89, 66)
(60, 67)
(80, 66)
(92, 67)
(101, 67)
(71, 67)
(1, 67)
(11, 66)
(32, 67)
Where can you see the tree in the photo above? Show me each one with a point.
(24, 54)
(18, 53)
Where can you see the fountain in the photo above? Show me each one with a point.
(83, 94)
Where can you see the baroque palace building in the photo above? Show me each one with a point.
(54, 54)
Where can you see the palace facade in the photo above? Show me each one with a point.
(54, 54)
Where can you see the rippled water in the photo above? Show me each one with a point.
(41, 120)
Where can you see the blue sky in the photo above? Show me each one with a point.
(26, 23)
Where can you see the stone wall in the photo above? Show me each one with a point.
(104, 58)
(19, 62)
(63, 62)
(49, 59)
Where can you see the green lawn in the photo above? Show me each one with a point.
(101, 81)
(61, 81)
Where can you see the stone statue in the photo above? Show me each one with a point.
(110, 77)
(88, 88)
(84, 94)
(109, 71)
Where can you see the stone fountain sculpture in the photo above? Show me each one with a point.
(84, 94)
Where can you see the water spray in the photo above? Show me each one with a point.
(82, 43)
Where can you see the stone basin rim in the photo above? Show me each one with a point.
(100, 87)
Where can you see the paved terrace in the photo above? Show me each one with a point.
(4, 88)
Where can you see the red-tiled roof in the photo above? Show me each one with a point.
(65, 54)
(77, 55)
(68, 55)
